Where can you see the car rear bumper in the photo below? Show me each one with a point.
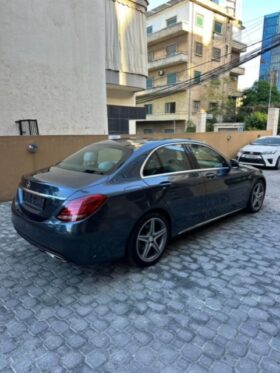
(68, 244)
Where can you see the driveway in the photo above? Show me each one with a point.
(212, 304)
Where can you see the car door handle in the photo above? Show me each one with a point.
(165, 184)
(211, 176)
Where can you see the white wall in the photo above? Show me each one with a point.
(52, 62)
(158, 21)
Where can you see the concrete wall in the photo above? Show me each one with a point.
(16, 161)
(52, 58)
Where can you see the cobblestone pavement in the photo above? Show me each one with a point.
(211, 305)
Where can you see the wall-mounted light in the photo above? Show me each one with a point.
(32, 148)
(228, 138)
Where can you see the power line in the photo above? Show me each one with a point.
(205, 63)
(209, 74)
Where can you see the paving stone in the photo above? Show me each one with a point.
(212, 304)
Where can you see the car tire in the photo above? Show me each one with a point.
(148, 240)
(256, 197)
(277, 166)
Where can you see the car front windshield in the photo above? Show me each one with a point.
(96, 158)
(270, 141)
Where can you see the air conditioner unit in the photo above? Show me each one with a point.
(161, 73)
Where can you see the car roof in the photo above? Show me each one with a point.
(147, 144)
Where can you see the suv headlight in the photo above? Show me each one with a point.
(269, 152)
(239, 154)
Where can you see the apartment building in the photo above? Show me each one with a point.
(71, 67)
(186, 39)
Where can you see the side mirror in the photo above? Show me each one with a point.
(234, 163)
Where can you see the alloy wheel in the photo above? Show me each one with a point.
(258, 196)
(151, 239)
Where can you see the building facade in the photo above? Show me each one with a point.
(72, 66)
(186, 39)
(270, 61)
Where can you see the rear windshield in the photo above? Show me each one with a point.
(267, 141)
(96, 158)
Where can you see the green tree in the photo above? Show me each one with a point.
(256, 98)
(255, 121)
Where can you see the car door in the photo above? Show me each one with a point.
(168, 170)
(227, 187)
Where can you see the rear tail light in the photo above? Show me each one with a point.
(81, 208)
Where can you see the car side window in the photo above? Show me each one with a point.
(207, 157)
(167, 159)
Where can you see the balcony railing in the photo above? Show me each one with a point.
(173, 59)
(166, 33)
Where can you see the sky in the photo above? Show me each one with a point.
(253, 12)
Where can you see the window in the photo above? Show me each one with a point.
(216, 54)
(207, 157)
(215, 1)
(28, 127)
(213, 106)
(96, 158)
(198, 49)
(171, 78)
(150, 83)
(149, 29)
(167, 159)
(171, 50)
(196, 106)
(148, 131)
(226, 49)
(170, 107)
(171, 21)
(199, 20)
(169, 130)
(197, 76)
(150, 56)
(218, 27)
(149, 108)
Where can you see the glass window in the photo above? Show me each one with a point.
(171, 78)
(149, 108)
(199, 20)
(150, 83)
(207, 157)
(218, 27)
(216, 54)
(170, 107)
(268, 141)
(148, 130)
(150, 56)
(171, 21)
(197, 76)
(171, 50)
(169, 130)
(198, 49)
(167, 159)
(196, 105)
(149, 29)
(96, 158)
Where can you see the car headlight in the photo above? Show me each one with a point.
(239, 154)
(269, 152)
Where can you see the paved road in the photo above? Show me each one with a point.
(211, 305)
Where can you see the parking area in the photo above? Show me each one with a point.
(212, 304)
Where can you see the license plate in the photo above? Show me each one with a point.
(251, 156)
(33, 200)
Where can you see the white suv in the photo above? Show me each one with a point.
(264, 151)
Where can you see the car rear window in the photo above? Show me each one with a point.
(267, 141)
(96, 158)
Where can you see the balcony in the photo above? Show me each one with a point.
(237, 46)
(234, 93)
(174, 59)
(166, 116)
(238, 71)
(168, 32)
